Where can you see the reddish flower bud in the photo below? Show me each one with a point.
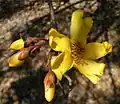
(23, 53)
(49, 85)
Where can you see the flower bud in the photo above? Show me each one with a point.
(17, 45)
(49, 85)
(24, 53)
(13, 61)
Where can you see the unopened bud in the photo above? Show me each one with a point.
(49, 85)
(17, 45)
(13, 61)
(24, 53)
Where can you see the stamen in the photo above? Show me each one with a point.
(77, 52)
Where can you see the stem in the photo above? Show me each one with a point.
(69, 79)
(58, 83)
(41, 39)
(33, 39)
(34, 46)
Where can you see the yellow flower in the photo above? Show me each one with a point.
(17, 45)
(75, 52)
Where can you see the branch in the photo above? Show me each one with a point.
(62, 8)
(52, 14)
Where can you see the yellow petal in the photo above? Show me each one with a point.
(87, 25)
(13, 60)
(80, 27)
(58, 42)
(91, 70)
(17, 45)
(76, 24)
(54, 33)
(61, 64)
(97, 50)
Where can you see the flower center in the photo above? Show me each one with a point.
(77, 52)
